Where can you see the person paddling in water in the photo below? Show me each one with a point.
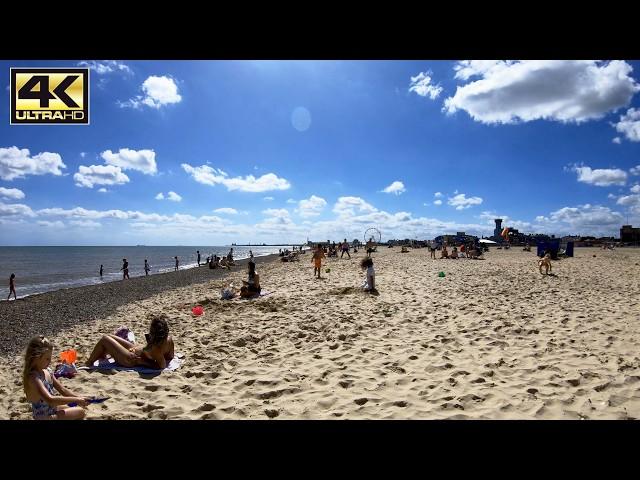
(12, 287)
(125, 268)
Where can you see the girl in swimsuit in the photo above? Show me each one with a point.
(39, 384)
(156, 354)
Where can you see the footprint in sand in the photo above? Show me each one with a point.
(150, 408)
(271, 413)
(206, 407)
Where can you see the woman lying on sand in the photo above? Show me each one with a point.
(156, 354)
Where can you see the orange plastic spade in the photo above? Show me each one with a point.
(69, 356)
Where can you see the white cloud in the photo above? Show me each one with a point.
(11, 193)
(348, 206)
(291, 200)
(601, 177)
(18, 163)
(421, 84)
(311, 207)
(583, 219)
(85, 223)
(276, 212)
(629, 125)
(611, 196)
(160, 196)
(461, 202)
(227, 210)
(107, 66)
(635, 189)
(268, 199)
(103, 190)
(635, 170)
(629, 201)
(437, 194)
(466, 69)
(99, 175)
(211, 176)
(559, 90)
(617, 140)
(174, 197)
(15, 210)
(158, 91)
(83, 154)
(437, 202)
(56, 224)
(142, 160)
(396, 187)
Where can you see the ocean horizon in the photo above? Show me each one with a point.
(41, 269)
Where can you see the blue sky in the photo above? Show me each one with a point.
(214, 152)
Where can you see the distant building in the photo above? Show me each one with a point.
(498, 230)
(628, 234)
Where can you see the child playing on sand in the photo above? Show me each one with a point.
(318, 255)
(369, 284)
(12, 287)
(39, 383)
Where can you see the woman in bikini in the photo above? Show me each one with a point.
(156, 354)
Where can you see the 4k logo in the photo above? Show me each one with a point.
(50, 95)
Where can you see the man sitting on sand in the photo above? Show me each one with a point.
(444, 253)
(454, 253)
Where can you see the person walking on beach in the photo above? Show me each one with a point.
(146, 267)
(101, 270)
(176, 263)
(318, 255)
(345, 249)
(12, 287)
(250, 255)
(125, 268)
(198, 252)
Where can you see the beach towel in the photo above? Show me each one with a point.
(110, 364)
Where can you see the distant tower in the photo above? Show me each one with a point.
(498, 229)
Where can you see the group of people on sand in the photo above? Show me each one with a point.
(214, 261)
(368, 285)
(465, 251)
(40, 384)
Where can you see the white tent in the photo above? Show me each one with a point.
(486, 240)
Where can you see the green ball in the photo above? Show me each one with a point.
(441, 274)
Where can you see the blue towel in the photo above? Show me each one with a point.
(110, 364)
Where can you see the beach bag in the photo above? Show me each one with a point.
(227, 294)
(67, 368)
(126, 334)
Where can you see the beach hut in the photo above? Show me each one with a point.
(552, 245)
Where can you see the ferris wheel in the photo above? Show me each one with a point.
(372, 233)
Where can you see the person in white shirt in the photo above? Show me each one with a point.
(370, 283)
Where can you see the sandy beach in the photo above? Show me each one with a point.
(493, 339)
